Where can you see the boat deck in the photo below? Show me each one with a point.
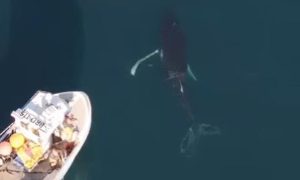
(10, 171)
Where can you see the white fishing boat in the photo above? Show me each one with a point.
(45, 137)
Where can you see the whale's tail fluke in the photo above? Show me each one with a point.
(190, 142)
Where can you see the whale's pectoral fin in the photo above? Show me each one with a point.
(136, 65)
(161, 54)
(190, 72)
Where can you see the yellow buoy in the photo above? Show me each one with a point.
(16, 140)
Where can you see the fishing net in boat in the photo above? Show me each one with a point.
(12, 171)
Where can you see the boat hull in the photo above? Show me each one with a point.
(82, 110)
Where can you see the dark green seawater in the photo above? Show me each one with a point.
(246, 55)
